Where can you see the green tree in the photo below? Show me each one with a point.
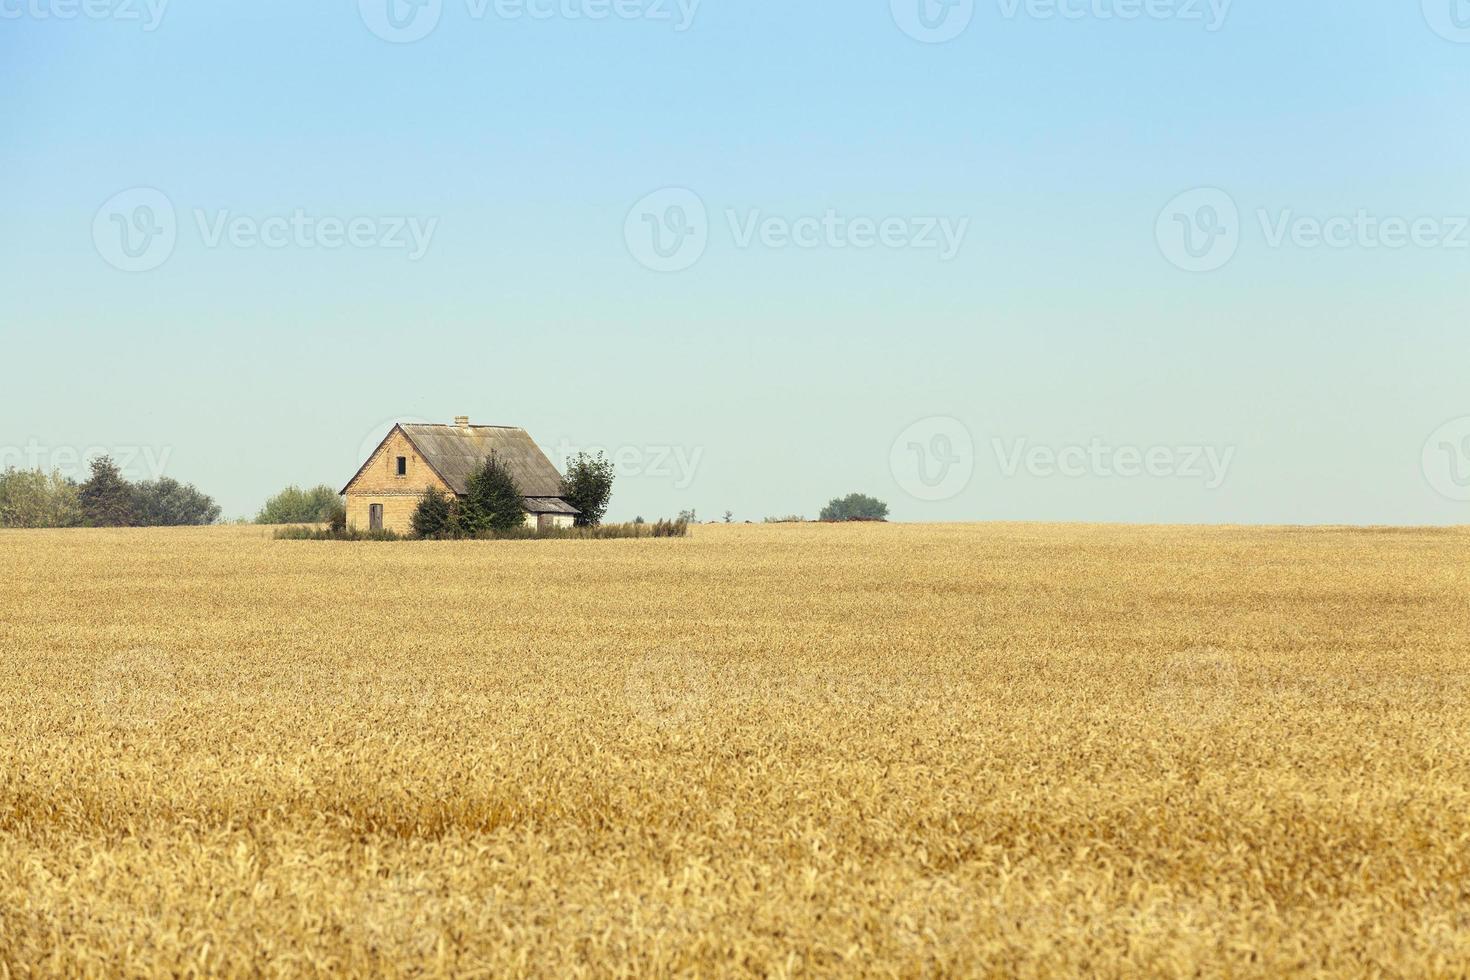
(492, 501)
(855, 507)
(107, 499)
(434, 516)
(166, 502)
(30, 498)
(588, 487)
(294, 505)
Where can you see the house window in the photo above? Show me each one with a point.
(375, 517)
(403, 466)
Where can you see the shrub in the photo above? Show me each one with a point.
(523, 532)
(30, 499)
(305, 533)
(855, 507)
(492, 501)
(107, 499)
(166, 502)
(588, 487)
(789, 519)
(434, 516)
(294, 505)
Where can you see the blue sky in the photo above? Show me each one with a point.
(1064, 357)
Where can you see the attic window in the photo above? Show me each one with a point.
(403, 466)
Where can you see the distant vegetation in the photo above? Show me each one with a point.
(294, 505)
(32, 499)
(855, 507)
(491, 505)
(588, 487)
(521, 532)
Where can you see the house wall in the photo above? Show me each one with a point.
(379, 483)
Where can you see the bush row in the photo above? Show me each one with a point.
(32, 499)
(658, 529)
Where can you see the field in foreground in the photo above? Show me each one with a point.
(783, 750)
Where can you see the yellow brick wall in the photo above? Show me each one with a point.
(379, 483)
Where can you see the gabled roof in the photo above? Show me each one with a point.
(455, 452)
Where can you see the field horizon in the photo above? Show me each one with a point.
(895, 749)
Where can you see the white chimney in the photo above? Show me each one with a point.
(462, 421)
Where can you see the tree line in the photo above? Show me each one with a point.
(34, 499)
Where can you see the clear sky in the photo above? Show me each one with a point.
(1132, 260)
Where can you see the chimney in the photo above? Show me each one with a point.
(462, 421)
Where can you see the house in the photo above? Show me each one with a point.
(412, 458)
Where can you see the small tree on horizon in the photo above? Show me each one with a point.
(166, 502)
(855, 507)
(107, 499)
(588, 487)
(294, 505)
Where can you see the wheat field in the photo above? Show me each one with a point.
(773, 751)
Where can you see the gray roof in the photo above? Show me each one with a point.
(549, 505)
(456, 452)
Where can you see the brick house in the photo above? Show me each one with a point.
(413, 458)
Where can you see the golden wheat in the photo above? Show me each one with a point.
(776, 750)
